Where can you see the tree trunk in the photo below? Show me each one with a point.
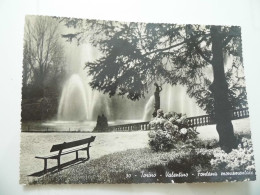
(219, 88)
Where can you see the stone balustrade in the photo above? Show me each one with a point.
(192, 121)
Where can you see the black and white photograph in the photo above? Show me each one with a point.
(114, 102)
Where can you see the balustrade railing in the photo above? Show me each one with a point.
(192, 121)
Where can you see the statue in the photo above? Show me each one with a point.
(158, 89)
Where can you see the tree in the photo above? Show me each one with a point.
(102, 124)
(43, 52)
(135, 55)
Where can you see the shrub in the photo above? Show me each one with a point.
(160, 141)
(238, 159)
(169, 129)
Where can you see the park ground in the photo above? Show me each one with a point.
(33, 144)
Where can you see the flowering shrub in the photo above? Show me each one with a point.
(238, 159)
(168, 129)
(160, 141)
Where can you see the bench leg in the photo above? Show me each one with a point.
(88, 153)
(45, 165)
(77, 155)
(58, 161)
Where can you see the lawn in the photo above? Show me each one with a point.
(143, 166)
(119, 167)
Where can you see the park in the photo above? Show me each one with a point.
(117, 102)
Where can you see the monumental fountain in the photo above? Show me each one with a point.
(80, 105)
(149, 109)
(79, 102)
(73, 102)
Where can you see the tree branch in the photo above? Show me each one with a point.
(71, 36)
(233, 32)
(227, 40)
(164, 49)
(199, 51)
(178, 44)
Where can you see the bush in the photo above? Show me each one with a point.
(160, 141)
(238, 159)
(170, 129)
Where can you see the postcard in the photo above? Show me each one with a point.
(131, 102)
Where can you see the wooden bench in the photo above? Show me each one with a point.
(67, 148)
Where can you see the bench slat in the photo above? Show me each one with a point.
(70, 151)
(67, 145)
(53, 156)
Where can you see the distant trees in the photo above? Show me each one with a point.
(43, 62)
(44, 68)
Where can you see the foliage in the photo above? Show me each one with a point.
(240, 159)
(161, 141)
(135, 55)
(169, 130)
(102, 124)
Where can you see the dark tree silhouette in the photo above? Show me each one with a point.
(135, 55)
(102, 124)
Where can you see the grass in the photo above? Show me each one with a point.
(113, 168)
(133, 165)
